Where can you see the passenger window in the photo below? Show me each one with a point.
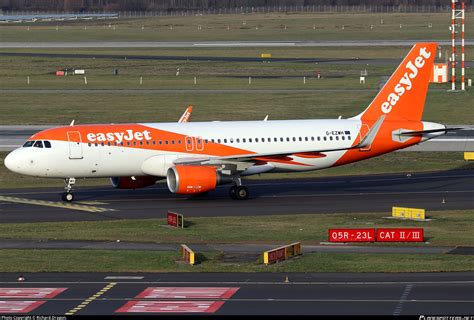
(250, 140)
(28, 144)
(300, 139)
(256, 139)
(337, 137)
(231, 140)
(38, 144)
(305, 138)
(319, 138)
(312, 138)
(343, 138)
(218, 140)
(324, 138)
(275, 139)
(330, 138)
(225, 140)
(237, 140)
(281, 139)
(243, 140)
(287, 139)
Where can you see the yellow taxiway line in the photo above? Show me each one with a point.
(64, 205)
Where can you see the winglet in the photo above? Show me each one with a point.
(366, 142)
(186, 115)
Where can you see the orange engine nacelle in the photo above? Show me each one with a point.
(133, 183)
(193, 179)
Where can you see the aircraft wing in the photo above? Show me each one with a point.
(268, 157)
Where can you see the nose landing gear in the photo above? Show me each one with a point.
(68, 195)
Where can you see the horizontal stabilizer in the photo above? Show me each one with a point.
(422, 132)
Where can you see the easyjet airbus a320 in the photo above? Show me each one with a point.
(195, 157)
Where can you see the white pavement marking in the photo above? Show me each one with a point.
(30, 293)
(15, 306)
(403, 298)
(171, 306)
(187, 293)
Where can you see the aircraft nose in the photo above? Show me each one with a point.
(10, 161)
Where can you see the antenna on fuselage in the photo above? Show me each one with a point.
(266, 118)
(72, 123)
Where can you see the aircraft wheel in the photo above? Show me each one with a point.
(68, 196)
(241, 193)
(232, 191)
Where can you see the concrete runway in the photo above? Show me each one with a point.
(243, 293)
(447, 190)
(219, 44)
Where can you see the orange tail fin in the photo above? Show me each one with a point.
(403, 96)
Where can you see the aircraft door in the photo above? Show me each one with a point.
(75, 145)
(199, 144)
(189, 144)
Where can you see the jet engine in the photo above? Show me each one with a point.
(184, 179)
(133, 182)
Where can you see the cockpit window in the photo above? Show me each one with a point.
(28, 144)
(38, 144)
(47, 144)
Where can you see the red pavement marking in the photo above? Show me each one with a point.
(187, 293)
(16, 306)
(171, 306)
(30, 293)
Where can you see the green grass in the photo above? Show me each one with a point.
(271, 26)
(449, 228)
(116, 107)
(146, 261)
(396, 162)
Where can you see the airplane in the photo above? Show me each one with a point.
(196, 157)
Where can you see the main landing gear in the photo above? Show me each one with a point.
(68, 195)
(239, 192)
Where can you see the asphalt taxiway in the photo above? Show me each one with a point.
(239, 293)
(447, 190)
(218, 44)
